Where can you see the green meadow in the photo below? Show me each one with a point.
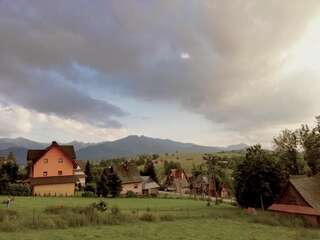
(143, 218)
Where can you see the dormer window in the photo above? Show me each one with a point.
(45, 160)
(60, 160)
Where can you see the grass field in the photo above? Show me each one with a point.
(191, 220)
(187, 160)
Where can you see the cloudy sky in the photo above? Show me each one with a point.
(213, 72)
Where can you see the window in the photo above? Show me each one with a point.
(45, 160)
(135, 186)
(45, 174)
(59, 172)
(60, 160)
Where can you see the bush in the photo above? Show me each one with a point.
(131, 194)
(8, 214)
(88, 194)
(90, 187)
(18, 189)
(100, 206)
(55, 209)
(147, 217)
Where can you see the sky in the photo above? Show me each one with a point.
(212, 72)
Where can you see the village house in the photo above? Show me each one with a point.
(149, 186)
(52, 170)
(130, 178)
(199, 185)
(300, 198)
(177, 181)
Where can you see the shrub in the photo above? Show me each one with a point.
(55, 209)
(88, 194)
(100, 206)
(147, 217)
(131, 194)
(8, 214)
(18, 189)
(90, 187)
(8, 225)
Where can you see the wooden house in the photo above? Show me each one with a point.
(130, 177)
(177, 181)
(300, 198)
(199, 185)
(52, 170)
(149, 186)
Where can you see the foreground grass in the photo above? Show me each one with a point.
(181, 229)
(146, 219)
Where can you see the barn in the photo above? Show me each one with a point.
(300, 198)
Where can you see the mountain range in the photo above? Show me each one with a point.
(128, 146)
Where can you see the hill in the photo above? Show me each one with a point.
(134, 145)
(129, 146)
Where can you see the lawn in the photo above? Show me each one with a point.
(191, 220)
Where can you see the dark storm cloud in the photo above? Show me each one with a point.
(235, 48)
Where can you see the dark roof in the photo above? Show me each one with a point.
(53, 180)
(148, 183)
(309, 189)
(127, 172)
(294, 209)
(35, 154)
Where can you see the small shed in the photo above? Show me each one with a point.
(301, 198)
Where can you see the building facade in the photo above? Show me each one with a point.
(52, 170)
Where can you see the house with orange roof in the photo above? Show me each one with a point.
(52, 170)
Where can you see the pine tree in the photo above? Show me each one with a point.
(109, 183)
(88, 173)
(114, 184)
(150, 171)
(102, 185)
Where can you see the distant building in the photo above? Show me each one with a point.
(130, 177)
(300, 198)
(52, 171)
(149, 187)
(177, 181)
(199, 185)
(10, 158)
(79, 173)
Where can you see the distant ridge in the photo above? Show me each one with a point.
(128, 146)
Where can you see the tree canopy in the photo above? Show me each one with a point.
(258, 179)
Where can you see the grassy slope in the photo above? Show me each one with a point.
(195, 221)
(187, 160)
